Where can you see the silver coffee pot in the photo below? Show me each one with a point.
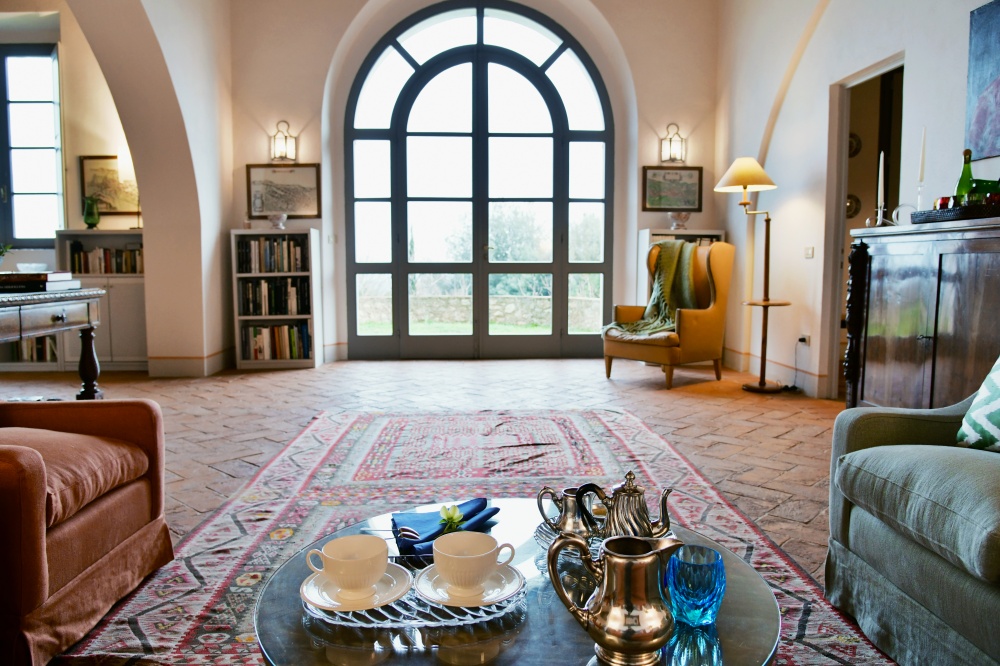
(628, 514)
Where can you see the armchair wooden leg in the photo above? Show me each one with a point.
(668, 373)
(607, 366)
(718, 368)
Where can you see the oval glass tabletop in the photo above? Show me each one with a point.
(527, 632)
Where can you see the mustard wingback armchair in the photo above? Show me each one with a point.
(698, 333)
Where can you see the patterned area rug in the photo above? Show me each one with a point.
(350, 466)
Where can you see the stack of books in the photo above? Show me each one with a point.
(17, 282)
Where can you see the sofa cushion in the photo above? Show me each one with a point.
(945, 498)
(78, 468)
(981, 425)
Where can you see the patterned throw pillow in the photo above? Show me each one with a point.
(981, 425)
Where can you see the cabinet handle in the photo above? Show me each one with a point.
(925, 337)
(59, 318)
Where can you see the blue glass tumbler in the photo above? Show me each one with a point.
(696, 579)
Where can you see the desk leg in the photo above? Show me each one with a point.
(90, 369)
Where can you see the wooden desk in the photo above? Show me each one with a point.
(33, 314)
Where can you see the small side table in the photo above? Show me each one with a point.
(762, 386)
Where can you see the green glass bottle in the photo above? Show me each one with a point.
(964, 185)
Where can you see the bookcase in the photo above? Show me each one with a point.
(276, 298)
(649, 236)
(113, 261)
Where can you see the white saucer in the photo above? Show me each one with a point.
(320, 591)
(505, 583)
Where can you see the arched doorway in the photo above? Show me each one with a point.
(478, 159)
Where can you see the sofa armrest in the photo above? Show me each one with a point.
(23, 558)
(138, 422)
(867, 427)
(628, 313)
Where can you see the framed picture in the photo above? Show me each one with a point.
(292, 189)
(671, 188)
(100, 178)
(982, 124)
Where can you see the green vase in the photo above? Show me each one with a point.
(91, 216)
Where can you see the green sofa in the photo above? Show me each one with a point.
(915, 535)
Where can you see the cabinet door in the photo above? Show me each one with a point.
(898, 341)
(127, 321)
(968, 324)
(102, 336)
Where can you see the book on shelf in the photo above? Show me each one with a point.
(106, 260)
(280, 342)
(274, 296)
(32, 287)
(270, 254)
(42, 276)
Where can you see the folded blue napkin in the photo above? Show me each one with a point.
(428, 525)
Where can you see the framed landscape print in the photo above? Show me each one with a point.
(273, 189)
(671, 188)
(100, 178)
(982, 106)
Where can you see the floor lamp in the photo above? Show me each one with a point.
(747, 175)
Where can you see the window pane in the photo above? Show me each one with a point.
(520, 231)
(373, 232)
(520, 304)
(439, 231)
(372, 169)
(34, 171)
(520, 34)
(445, 103)
(586, 303)
(520, 167)
(374, 303)
(32, 125)
(439, 166)
(571, 79)
(440, 303)
(440, 33)
(381, 89)
(31, 79)
(36, 215)
(515, 105)
(586, 232)
(586, 170)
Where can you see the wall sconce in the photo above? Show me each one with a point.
(282, 144)
(673, 147)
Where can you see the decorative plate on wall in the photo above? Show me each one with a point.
(853, 206)
(853, 144)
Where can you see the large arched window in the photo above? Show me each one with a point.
(479, 180)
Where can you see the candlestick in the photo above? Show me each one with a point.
(881, 188)
(923, 145)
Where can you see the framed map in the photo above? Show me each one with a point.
(671, 188)
(292, 189)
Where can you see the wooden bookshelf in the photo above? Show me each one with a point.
(276, 299)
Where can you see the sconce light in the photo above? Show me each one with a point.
(282, 144)
(673, 147)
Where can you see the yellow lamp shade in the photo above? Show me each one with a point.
(745, 174)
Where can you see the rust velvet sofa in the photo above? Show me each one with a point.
(81, 487)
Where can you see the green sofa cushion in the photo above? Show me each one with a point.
(981, 425)
(945, 498)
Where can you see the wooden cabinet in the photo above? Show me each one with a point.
(923, 313)
(276, 298)
(113, 261)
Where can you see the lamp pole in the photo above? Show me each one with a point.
(765, 303)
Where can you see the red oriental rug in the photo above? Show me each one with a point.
(346, 467)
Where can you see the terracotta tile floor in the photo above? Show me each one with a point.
(769, 454)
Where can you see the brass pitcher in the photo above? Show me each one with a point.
(573, 517)
(627, 615)
(627, 511)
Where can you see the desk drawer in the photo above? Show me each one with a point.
(10, 324)
(44, 319)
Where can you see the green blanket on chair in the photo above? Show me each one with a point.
(673, 287)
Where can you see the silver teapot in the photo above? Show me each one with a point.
(628, 514)
(628, 615)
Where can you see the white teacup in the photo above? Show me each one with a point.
(465, 560)
(353, 563)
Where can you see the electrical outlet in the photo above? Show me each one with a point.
(805, 339)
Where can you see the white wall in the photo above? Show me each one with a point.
(853, 39)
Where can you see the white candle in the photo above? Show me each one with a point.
(881, 188)
(923, 144)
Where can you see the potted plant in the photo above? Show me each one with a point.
(4, 249)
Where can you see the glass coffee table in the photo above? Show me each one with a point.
(532, 628)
